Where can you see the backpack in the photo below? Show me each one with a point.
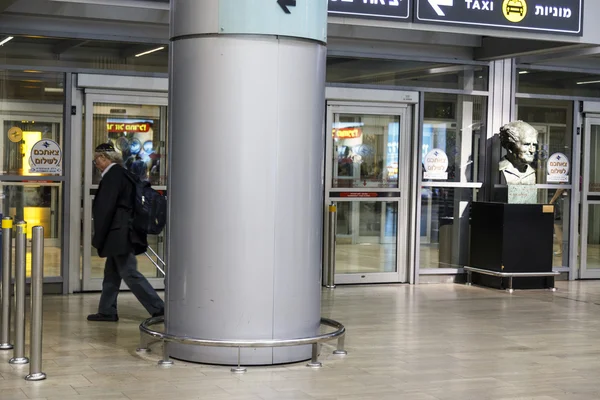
(149, 207)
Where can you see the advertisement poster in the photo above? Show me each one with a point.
(436, 165)
(45, 158)
(558, 168)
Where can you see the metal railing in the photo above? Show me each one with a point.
(329, 264)
(36, 297)
(154, 262)
(146, 332)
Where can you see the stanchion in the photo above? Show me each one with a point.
(330, 262)
(37, 290)
(7, 225)
(20, 253)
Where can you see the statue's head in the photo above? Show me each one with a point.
(520, 139)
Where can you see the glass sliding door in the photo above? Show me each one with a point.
(368, 164)
(590, 201)
(137, 127)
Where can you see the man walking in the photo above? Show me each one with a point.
(116, 240)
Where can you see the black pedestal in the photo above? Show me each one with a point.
(512, 238)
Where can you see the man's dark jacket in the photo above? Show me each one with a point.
(113, 212)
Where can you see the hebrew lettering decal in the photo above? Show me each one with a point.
(549, 11)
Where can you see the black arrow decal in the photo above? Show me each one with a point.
(284, 4)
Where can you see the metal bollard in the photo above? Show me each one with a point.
(37, 292)
(331, 232)
(20, 254)
(7, 225)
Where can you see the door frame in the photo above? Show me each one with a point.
(92, 96)
(588, 197)
(379, 102)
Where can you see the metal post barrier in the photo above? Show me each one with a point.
(7, 225)
(37, 292)
(340, 351)
(331, 232)
(20, 254)
(166, 360)
(314, 360)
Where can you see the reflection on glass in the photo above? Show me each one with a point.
(562, 203)
(137, 132)
(366, 237)
(38, 205)
(593, 238)
(365, 151)
(594, 154)
(558, 83)
(455, 124)
(553, 120)
(445, 226)
(406, 73)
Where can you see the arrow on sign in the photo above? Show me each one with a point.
(284, 4)
(435, 4)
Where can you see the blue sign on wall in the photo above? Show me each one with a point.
(296, 18)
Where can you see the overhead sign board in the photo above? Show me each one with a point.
(544, 16)
(379, 9)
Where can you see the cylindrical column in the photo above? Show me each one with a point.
(247, 98)
(20, 253)
(331, 232)
(37, 289)
(7, 226)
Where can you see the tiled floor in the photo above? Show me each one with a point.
(431, 342)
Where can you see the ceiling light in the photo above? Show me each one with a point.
(523, 72)
(8, 39)
(53, 90)
(587, 82)
(150, 51)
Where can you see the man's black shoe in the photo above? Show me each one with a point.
(160, 313)
(103, 317)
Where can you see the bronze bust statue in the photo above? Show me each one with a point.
(520, 141)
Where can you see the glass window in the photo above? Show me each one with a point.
(31, 111)
(445, 230)
(453, 128)
(138, 133)
(90, 54)
(562, 205)
(593, 238)
(593, 149)
(365, 150)
(38, 205)
(445, 227)
(554, 122)
(558, 83)
(370, 71)
(32, 144)
(366, 237)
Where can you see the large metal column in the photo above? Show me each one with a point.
(245, 175)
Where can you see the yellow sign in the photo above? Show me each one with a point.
(548, 209)
(514, 10)
(15, 134)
